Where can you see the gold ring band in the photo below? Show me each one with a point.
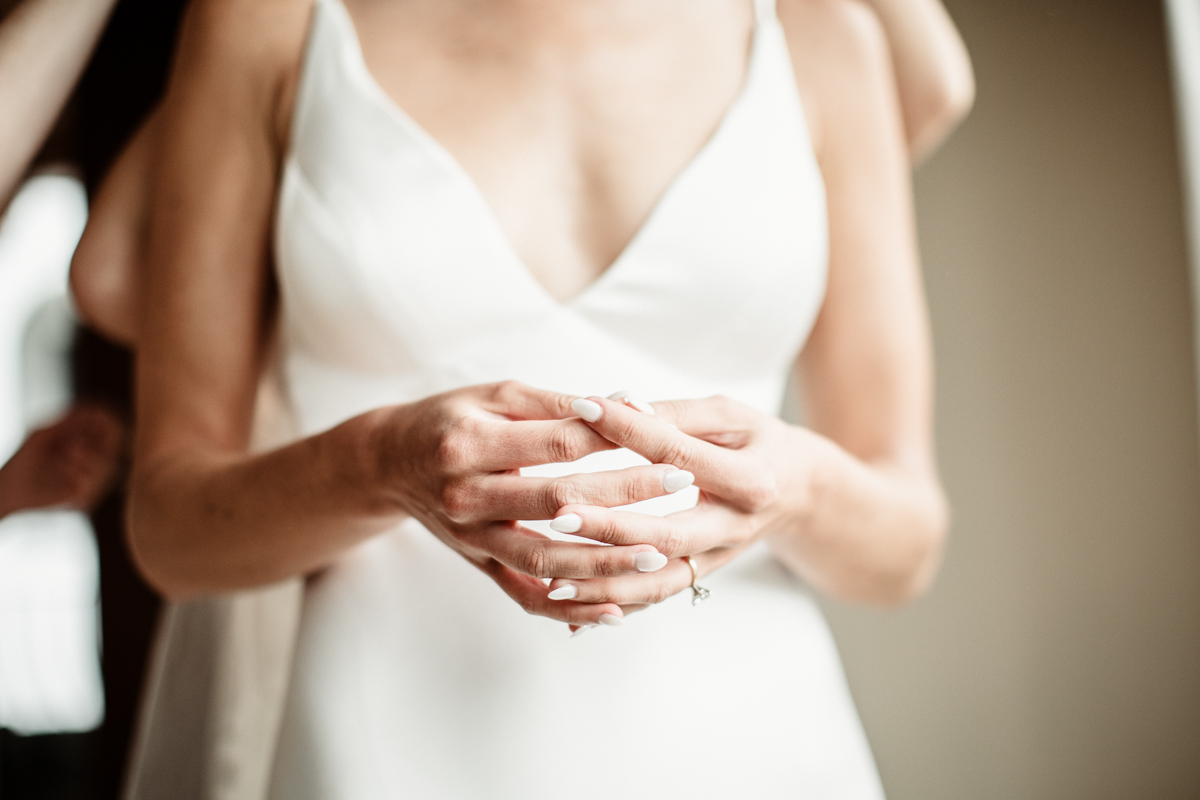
(699, 593)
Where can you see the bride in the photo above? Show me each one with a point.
(469, 223)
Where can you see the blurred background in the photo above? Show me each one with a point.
(71, 668)
(1058, 655)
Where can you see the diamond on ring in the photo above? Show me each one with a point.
(699, 593)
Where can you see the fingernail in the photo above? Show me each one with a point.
(633, 402)
(581, 629)
(610, 620)
(564, 592)
(673, 481)
(587, 409)
(569, 523)
(640, 405)
(651, 561)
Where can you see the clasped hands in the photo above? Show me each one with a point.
(452, 461)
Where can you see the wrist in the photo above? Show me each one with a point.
(374, 448)
(809, 475)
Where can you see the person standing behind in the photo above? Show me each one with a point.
(76, 76)
(933, 71)
(44, 47)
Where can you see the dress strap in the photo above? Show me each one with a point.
(764, 11)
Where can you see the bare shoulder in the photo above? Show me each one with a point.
(251, 49)
(840, 53)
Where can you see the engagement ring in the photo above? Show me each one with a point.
(699, 593)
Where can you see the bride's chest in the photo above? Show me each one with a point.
(392, 258)
(570, 119)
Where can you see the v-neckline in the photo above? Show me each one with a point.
(459, 174)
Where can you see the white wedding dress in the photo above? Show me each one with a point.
(414, 675)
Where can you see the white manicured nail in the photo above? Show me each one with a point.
(640, 405)
(675, 480)
(587, 409)
(569, 523)
(610, 620)
(564, 592)
(632, 402)
(581, 629)
(648, 562)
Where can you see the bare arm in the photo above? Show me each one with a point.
(932, 68)
(877, 515)
(44, 45)
(207, 516)
(203, 516)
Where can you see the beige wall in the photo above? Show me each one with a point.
(1059, 654)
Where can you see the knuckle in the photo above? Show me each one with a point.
(677, 454)
(560, 405)
(672, 542)
(723, 402)
(599, 593)
(562, 492)
(626, 428)
(527, 603)
(609, 531)
(536, 562)
(611, 567)
(458, 501)
(455, 447)
(759, 490)
(565, 444)
(660, 592)
(675, 410)
(602, 591)
(633, 487)
(509, 393)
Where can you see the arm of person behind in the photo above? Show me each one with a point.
(44, 46)
(933, 70)
(70, 463)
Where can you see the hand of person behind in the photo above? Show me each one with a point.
(71, 462)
